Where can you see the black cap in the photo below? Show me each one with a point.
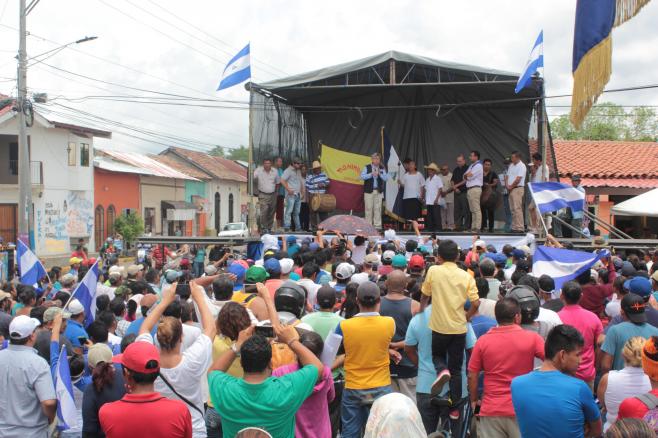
(326, 297)
(368, 293)
(633, 306)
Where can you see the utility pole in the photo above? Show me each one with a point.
(24, 181)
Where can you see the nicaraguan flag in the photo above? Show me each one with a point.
(393, 194)
(237, 70)
(67, 414)
(535, 61)
(29, 265)
(86, 293)
(553, 196)
(563, 264)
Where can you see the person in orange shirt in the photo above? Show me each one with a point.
(273, 268)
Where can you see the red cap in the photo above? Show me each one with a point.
(137, 356)
(185, 262)
(417, 262)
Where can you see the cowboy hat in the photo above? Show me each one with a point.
(433, 167)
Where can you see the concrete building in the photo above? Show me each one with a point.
(62, 178)
(612, 172)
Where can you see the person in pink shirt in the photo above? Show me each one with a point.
(587, 323)
(503, 353)
(312, 418)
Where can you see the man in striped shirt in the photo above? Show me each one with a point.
(316, 184)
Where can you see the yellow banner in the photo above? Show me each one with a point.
(343, 166)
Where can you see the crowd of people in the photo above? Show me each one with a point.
(336, 336)
(464, 199)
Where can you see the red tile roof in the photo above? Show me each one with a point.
(218, 167)
(609, 163)
(182, 167)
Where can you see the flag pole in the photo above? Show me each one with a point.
(78, 286)
(541, 216)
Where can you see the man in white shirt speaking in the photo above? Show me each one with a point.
(516, 174)
(433, 198)
(473, 177)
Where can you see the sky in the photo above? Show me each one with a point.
(181, 48)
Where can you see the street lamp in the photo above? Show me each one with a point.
(56, 50)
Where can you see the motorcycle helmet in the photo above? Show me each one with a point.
(290, 297)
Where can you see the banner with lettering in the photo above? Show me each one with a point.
(344, 170)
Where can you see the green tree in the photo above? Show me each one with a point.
(609, 121)
(130, 226)
(240, 153)
(217, 151)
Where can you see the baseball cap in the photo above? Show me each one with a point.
(499, 259)
(313, 246)
(272, 266)
(67, 280)
(399, 261)
(75, 307)
(239, 271)
(480, 244)
(326, 297)
(416, 263)
(184, 263)
(627, 269)
(518, 254)
(388, 256)
(389, 234)
(75, 260)
(286, 265)
(633, 306)
(141, 357)
(368, 292)
(51, 312)
(22, 326)
(344, 271)
(371, 259)
(210, 270)
(360, 278)
(256, 274)
(171, 275)
(291, 239)
(116, 269)
(639, 286)
(617, 263)
(134, 269)
(122, 290)
(99, 353)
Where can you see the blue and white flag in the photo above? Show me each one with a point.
(535, 61)
(86, 293)
(552, 196)
(563, 264)
(237, 70)
(393, 193)
(29, 265)
(67, 414)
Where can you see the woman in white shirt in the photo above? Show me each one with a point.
(413, 183)
(181, 371)
(630, 381)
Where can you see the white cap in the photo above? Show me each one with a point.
(137, 298)
(286, 266)
(480, 244)
(388, 255)
(525, 249)
(75, 307)
(344, 271)
(22, 326)
(389, 234)
(359, 278)
(116, 269)
(269, 242)
(210, 270)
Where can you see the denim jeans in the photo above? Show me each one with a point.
(197, 267)
(355, 409)
(292, 204)
(213, 423)
(428, 413)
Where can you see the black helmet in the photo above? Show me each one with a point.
(290, 297)
(528, 302)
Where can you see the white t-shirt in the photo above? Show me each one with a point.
(539, 174)
(432, 187)
(102, 289)
(412, 185)
(514, 171)
(359, 253)
(311, 288)
(548, 316)
(185, 378)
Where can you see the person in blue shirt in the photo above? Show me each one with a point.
(551, 402)
(75, 329)
(145, 304)
(418, 346)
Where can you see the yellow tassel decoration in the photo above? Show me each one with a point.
(627, 9)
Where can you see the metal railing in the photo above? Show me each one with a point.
(36, 173)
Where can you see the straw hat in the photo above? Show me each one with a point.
(433, 167)
(316, 165)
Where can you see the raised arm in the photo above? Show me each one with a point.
(168, 297)
(289, 335)
(207, 321)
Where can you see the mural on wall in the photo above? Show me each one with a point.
(62, 219)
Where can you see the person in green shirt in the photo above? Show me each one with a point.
(324, 321)
(258, 399)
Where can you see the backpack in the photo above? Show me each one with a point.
(651, 417)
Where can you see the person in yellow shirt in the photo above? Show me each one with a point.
(450, 288)
(366, 339)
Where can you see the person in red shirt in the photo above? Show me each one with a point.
(633, 407)
(595, 294)
(503, 353)
(142, 411)
(587, 323)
